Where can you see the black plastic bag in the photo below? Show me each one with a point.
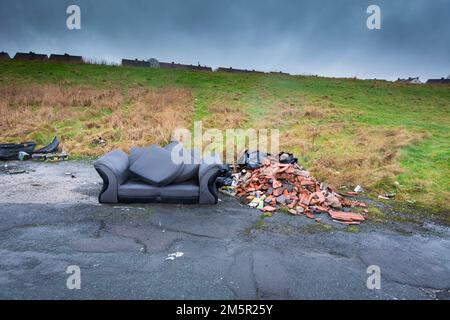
(252, 160)
(287, 158)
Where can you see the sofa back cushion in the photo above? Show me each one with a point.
(155, 166)
(191, 161)
(135, 153)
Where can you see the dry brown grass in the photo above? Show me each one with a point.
(79, 115)
(225, 117)
(336, 150)
(153, 116)
(318, 112)
(347, 155)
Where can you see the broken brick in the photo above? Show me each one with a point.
(291, 185)
(269, 209)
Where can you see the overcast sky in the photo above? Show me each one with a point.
(325, 37)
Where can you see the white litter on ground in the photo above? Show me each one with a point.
(175, 255)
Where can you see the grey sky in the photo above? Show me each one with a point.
(325, 37)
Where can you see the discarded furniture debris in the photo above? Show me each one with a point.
(51, 157)
(26, 150)
(10, 151)
(275, 185)
(50, 148)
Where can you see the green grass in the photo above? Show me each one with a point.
(350, 109)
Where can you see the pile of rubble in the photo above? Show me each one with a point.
(276, 185)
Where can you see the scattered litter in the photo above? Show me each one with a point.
(17, 171)
(36, 185)
(387, 196)
(175, 255)
(274, 185)
(70, 174)
(11, 169)
(359, 189)
(23, 156)
(228, 190)
(52, 157)
(99, 141)
(390, 194)
(123, 208)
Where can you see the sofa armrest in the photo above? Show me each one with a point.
(113, 169)
(207, 175)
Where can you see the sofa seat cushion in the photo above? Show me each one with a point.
(138, 189)
(188, 189)
(134, 189)
(191, 164)
(155, 166)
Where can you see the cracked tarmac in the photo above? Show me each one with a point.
(230, 252)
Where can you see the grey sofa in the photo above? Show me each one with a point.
(120, 185)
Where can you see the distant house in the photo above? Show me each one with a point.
(280, 72)
(232, 70)
(31, 56)
(200, 68)
(409, 80)
(4, 56)
(439, 81)
(256, 71)
(65, 58)
(173, 65)
(135, 63)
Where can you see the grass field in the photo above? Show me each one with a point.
(383, 136)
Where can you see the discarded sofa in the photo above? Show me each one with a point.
(150, 175)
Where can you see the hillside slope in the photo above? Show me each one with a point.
(383, 136)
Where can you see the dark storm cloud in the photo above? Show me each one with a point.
(327, 37)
